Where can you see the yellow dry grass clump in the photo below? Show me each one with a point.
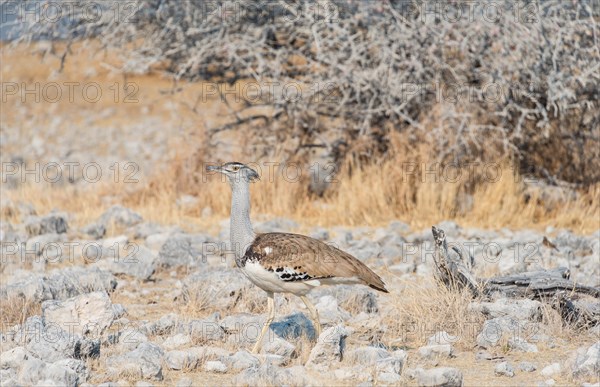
(371, 195)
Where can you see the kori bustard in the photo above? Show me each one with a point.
(285, 263)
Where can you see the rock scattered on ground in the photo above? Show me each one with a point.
(147, 264)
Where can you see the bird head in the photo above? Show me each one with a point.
(235, 172)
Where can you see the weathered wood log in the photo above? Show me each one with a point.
(551, 286)
(452, 269)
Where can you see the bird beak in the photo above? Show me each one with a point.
(214, 168)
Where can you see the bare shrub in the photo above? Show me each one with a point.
(474, 81)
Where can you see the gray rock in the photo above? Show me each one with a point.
(586, 361)
(139, 262)
(51, 343)
(516, 309)
(77, 366)
(220, 288)
(241, 321)
(330, 312)
(504, 369)
(179, 251)
(60, 284)
(319, 233)
(184, 382)
(278, 346)
(495, 329)
(8, 378)
(576, 243)
(209, 353)
(276, 225)
(13, 357)
(206, 330)
(550, 370)
(442, 337)
(241, 360)
(520, 344)
(527, 366)
(146, 230)
(130, 338)
(166, 324)
(55, 223)
(356, 299)
(111, 247)
(388, 378)
(86, 314)
(392, 250)
(294, 326)
(215, 366)
(177, 341)
(436, 350)
(329, 349)
(366, 355)
(144, 362)
(397, 362)
(270, 374)
(94, 230)
(119, 216)
(352, 373)
(120, 383)
(179, 360)
(274, 359)
(367, 359)
(156, 241)
(398, 227)
(34, 371)
(46, 245)
(364, 249)
(441, 376)
(9, 235)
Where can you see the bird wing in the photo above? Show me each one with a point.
(300, 258)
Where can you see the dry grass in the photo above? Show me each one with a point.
(15, 310)
(421, 308)
(420, 204)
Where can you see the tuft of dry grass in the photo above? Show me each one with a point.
(421, 309)
(17, 309)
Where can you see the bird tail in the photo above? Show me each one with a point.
(380, 285)
(372, 280)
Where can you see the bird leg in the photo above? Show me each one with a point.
(271, 316)
(314, 315)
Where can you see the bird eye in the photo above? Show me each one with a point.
(235, 169)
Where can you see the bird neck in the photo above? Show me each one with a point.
(242, 234)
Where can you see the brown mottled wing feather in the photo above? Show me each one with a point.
(313, 257)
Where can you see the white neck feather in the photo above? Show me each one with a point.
(242, 234)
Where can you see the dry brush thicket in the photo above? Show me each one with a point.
(457, 82)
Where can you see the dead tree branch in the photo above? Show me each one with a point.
(551, 286)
